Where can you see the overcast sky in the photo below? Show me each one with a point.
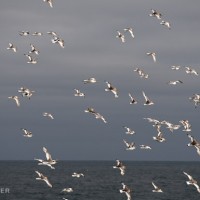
(89, 29)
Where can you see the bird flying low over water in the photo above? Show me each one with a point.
(125, 189)
(111, 89)
(141, 73)
(49, 161)
(16, 98)
(187, 126)
(43, 178)
(68, 190)
(156, 188)
(37, 34)
(192, 181)
(12, 47)
(77, 175)
(159, 137)
(196, 99)
(25, 92)
(190, 70)
(120, 166)
(175, 67)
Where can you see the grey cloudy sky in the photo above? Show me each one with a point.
(92, 50)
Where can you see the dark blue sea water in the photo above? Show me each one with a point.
(101, 181)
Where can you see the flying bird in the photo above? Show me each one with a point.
(120, 36)
(111, 89)
(78, 93)
(129, 131)
(155, 13)
(68, 190)
(165, 23)
(43, 178)
(12, 47)
(174, 82)
(49, 161)
(129, 146)
(153, 54)
(192, 181)
(31, 60)
(120, 166)
(96, 114)
(130, 30)
(147, 100)
(27, 133)
(34, 50)
(24, 33)
(77, 175)
(156, 188)
(50, 2)
(194, 143)
(187, 126)
(37, 34)
(143, 146)
(16, 99)
(49, 115)
(133, 100)
(90, 80)
(125, 189)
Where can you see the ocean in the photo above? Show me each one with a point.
(100, 182)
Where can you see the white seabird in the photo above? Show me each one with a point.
(37, 33)
(68, 190)
(133, 100)
(33, 49)
(16, 98)
(50, 2)
(31, 59)
(165, 23)
(43, 178)
(143, 146)
(27, 133)
(155, 13)
(49, 161)
(174, 82)
(57, 40)
(141, 73)
(147, 100)
(24, 33)
(187, 126)
(125, 189)
(190, 70)
(156, 188)
(77, 175)
(90, 80)
(196, 99)
(25, 92)
(78, 93)
(129, 131)
(171, 126)
(159, 137)
(120, 36)
(52, 33)
(96, 114)
(111, 89)
(49, 115)
(129, 146)
(130, 30)
(120, 166)
(194, 143)
(153, 54)
(192, 181)
(12, 47)
(175, 67)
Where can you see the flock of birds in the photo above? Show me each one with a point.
(157, 124)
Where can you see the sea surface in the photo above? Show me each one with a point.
(101, 180)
